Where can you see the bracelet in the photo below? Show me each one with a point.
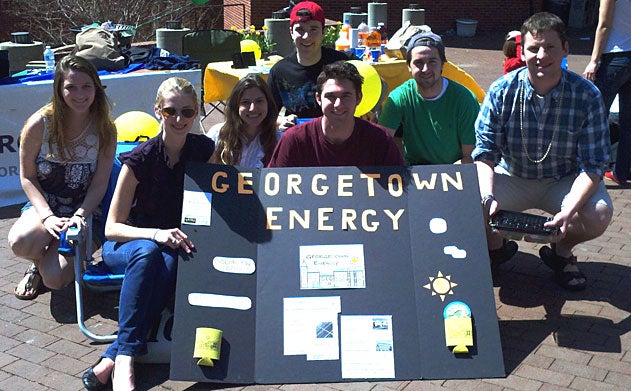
(486, 199)
(154, 235)
(82, 217)
(46, 218)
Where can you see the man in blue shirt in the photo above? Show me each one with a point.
(542, 141)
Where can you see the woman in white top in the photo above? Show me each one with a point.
(610, 69)
(66, 154)
(249, 135)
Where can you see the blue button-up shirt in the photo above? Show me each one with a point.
(572, 123)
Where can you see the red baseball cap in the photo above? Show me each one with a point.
(306, 10)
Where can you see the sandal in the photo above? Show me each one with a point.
(503, 254)
(30, 284)
(566, 271)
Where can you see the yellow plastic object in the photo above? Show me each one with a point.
(453, 72)
(248, 45)
(371, 89)
(207, 346)
(136, 126)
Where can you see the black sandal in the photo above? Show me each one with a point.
(31, 284)
(559, 265)
(503, 254)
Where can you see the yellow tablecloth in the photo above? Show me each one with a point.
(220, 78)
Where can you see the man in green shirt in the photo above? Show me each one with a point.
(432, 114)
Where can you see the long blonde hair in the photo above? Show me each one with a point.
(57, 109)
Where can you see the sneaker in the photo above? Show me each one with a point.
(503, 254)
(612, 177)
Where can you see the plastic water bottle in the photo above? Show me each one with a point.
(362, 33)
(381, 28)
(49, 59)
(346, 28)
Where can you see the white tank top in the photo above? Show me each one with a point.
(620, 36)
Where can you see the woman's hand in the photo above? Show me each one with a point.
(76, 221)
(590, 71)
(55, 225)
(173, 238)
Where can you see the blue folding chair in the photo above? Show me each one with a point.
(88, 274)
(97, 277)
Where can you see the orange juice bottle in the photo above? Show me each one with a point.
(373, 40)
(346, 28)
(342, 43)
(362, 33)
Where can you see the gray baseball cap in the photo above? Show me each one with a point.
(426, 38)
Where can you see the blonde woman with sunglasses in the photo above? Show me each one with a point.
(143, 229)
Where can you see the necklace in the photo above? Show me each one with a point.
(522, 113)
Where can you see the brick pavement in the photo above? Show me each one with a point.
(551, 339)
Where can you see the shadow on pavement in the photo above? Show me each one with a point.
(529, 284)
(63, 306)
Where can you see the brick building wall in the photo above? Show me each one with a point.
(6, 21)
(233, 16)
(440, 15)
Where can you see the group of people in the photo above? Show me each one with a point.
(539, 140)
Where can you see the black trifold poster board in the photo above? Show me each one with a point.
(421, 232)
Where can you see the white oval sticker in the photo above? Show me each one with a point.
(234, 265)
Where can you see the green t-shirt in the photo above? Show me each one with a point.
(434, 131)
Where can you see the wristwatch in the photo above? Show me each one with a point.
(486, 199)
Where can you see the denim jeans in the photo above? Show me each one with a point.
(614, 77)
(150, 274)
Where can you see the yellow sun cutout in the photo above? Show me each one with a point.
(441, 286)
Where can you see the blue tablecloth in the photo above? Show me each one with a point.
(41, 74)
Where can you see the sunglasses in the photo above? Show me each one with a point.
(169, 112)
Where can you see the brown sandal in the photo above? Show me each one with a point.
(31, 283)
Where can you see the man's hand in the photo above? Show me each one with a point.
(561, 220)
(489, 206)
(286, 122)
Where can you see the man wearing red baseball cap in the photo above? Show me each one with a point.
(293, 79)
